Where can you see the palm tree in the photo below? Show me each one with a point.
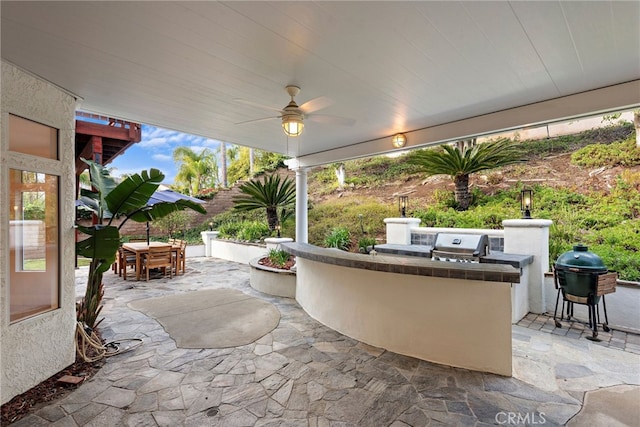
(271, 193)
(448, 160)
(196, 171)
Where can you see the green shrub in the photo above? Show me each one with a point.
(347, 212)
(566, 143)
(279, 257)
(253, 230)
(233, 216)
(338, 237)
(173, 223)
(624, 153)
(444, 198)
(619, 248)
(364, 243)
(230, 230)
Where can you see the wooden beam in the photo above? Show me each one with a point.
(132, 133)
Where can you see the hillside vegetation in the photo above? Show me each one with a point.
(587, 183)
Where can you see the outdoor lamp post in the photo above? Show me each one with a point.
(526, 203)
(210, 226)
(403, 201)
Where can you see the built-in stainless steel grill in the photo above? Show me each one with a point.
(460, 247)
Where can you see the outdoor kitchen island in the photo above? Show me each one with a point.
(456, 314)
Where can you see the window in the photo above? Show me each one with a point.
(32, 138)
(34, 238)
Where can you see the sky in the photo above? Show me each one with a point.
(155, 150)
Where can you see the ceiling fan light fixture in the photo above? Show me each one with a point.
(399, 140)
(292, 125)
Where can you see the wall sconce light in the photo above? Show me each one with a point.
(210, 226)
(278, 228)
(526, 203)
(403, 202)
(399, 140)
(292, 124)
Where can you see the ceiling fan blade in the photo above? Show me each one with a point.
(332, 120)
(263, 119)
(316, 104)
(255, 104)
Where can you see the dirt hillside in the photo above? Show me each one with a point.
(555, 171)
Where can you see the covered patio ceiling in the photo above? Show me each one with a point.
(436, 71)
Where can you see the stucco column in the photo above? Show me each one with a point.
(207, 236)
(399, 230)
(274, 242)
(530, 237)
(302, 232)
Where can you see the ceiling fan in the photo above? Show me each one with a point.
(293, 116)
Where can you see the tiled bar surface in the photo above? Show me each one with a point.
(406, 265)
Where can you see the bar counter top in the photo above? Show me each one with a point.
(412, 265)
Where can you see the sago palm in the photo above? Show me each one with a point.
(448, 160)
(271, 193)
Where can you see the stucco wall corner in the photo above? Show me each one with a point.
(33, 349)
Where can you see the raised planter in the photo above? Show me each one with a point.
(272, 281)
(231, 250)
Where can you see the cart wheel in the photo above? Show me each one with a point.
(594, 337)
(605, 327)
(558, 324)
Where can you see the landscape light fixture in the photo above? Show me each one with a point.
(399, 140)
(278, 228)
(210, 226)
(403, 202)
(526, 203)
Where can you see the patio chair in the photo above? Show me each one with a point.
(159, 257)
(181, 259)
(125, 259)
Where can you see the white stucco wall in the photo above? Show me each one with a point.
(233, 251)
(462, 323)
(33, 349)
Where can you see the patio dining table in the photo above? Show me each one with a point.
(142, 248)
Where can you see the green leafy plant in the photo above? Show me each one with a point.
(172, 223)
(271, 193)
(623, 153)
(448, 160)
(197, 169)
(338, 237)
(253, 231)
(111, 200)
(230, 230)
(364, 243)
(279, 257)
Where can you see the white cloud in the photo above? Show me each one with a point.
(117, 172)
(162, 157)
(212, 144)
(157, 139)
(156, 142)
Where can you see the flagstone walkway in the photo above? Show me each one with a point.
(305, 374)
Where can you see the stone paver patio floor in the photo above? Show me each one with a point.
(305, 374)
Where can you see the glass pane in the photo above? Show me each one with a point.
(32, 138)
(33, 243)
